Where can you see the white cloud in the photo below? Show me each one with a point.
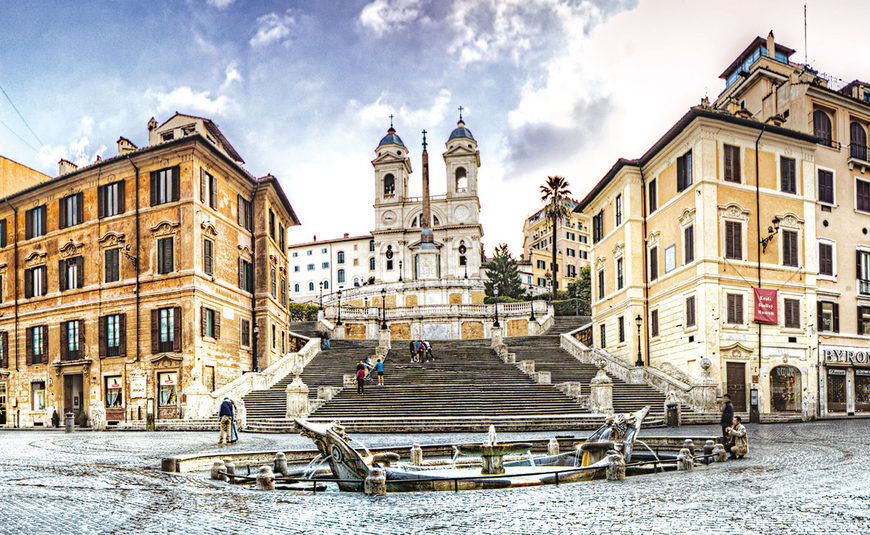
(377, 113)
(232, 75)
(185, 99)
(220, 4)
(77, 151)
(272, 27)
(380, 16)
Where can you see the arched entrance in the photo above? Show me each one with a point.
(785, 389)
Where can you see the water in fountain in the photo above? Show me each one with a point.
(491, 439)
(314, 466)
(363, 446)
(531, 458)
(455, 455)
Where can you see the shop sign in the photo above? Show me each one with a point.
(862, 372)
(167, 379)
(836, 371)
(765, 306)
(137, 386)
(844, 355)
(113, 383)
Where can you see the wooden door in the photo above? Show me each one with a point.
(735, 373)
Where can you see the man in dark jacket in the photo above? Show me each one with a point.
(726, 420)
(225, 413)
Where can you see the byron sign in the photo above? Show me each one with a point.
(765, 306)
(844, 355)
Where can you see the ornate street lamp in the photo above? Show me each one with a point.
(321, 295)
(639, 322)
(339, 308)
(383, 308)
(255, 364)
(400, 271)
(495, 291)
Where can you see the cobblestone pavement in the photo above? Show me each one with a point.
(798, 478)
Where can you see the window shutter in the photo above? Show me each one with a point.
(28, 224)
(176, 342)
(241, 273)
(860, 320)
(217, 325)
(103, 337)
(64, 341)
(154, 176)
(122, 197)
(43, 272)
(239, 215)
(739, 308)
(155, 331)
(202, 186)
(82, 339)
(122, 335)
(175, 183)
(732, 308)
(80, 272)
(42, 212)
(857, 264)
(836, 317)
(169, 256)
(6, 350)
(61, 208)
(28, 283)
(61, 275)
(203, 323)
(819, 311)
(29, 345)
(212, 190)
(101, 202)
(80, 208)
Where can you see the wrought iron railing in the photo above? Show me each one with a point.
(858, 152)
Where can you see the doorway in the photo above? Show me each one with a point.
(836, 390)
(736, 384)
(73, 394)
(2, 403)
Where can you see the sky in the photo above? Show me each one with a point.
(304, 89)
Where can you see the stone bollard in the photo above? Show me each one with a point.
(416, 455)
(552, 447)
(376, 483)
(708, 450)
(348, 380)
(297, 398)
(601, 391)
(689, 444)
(685, 461)
(615, 468)
(280, 464)
(230, 466)
(216, 470)
(265, 479)
(719, 454)
(543, 378)
(510, 358)
(527, 366)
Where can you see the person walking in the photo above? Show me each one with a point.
(225, 414)
(421, 348)
(360, 378)
(413, 349)
(234, 430)
(428, 347)
(741, 442)
(726, 419)
(324, 339)
(379, 368)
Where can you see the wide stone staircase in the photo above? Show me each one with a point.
(564, 324)
(305, 328)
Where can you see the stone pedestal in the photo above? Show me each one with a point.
(348, 380)
(216, 470)
(230, 466)
(427, 262)
(497, 336)
(510, 358)
(705, 391)
(97, 417)
(689, 444)
(527, 366)
(384, 340)
(297, 399)
(265, 479)
(601, 391)
(542, 378)
(616, 468)
(572, 389)
(553, 447)
(326, 393)
(719, 454)
(808, 407)
(416, 455)
(375, 483)
(685, 461)
(281, 464)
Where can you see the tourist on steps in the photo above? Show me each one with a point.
(726, 419)
(225, 413)
(360, 377)
(737, 433)
(421, 349)
(369, 367)
(413, 347)
(379, 367)
(428, 347)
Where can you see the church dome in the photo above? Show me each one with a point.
(460, 132)
(391, 139)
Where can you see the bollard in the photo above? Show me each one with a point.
(708, 449)
(615, 468)
(553, 447)
(416, 455)
(685, 461)
(281, 464)
(216, 470)
(230, 467)
(169, 464)
(265, 479)
(719, 454)
(375, 483)
(68, 422)
(689, 445)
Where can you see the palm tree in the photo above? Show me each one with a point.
(554, 192)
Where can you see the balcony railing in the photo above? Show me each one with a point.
(858, 152)
(830, 143)
(864, 286)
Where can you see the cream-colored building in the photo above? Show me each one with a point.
(676, 250)
(572, 247)
(762, 83)
(15, 177)
(330, 265)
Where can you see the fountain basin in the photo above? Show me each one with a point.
(493, 454)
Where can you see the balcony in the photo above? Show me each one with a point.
(858, 156)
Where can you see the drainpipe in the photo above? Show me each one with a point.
(15, 242)
(255, 357)
(645, 274)
(138, 330)
(758, 235)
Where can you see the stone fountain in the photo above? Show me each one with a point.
(493, 453)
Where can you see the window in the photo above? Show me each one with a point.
(862, 195)
(389, 265)
(826, 186)
(310, 267)
(165, 262)
(584, 255)
(296, 288)
(283, 292)
(733, 240)
(167, 393)
(37, 390)
(295, 254)
(598, 226)
(461, 180)
(273, 278)
(211, 323)
(789, 248)
(281, 237)
(325, 285)
(653, 196)
(207, 188)
(309, 252)
(684, 171)
(541, 264)
(340, 258)
(245, 334)
(572, 271)
(787, 175)
(603, 336)
(70, 211)
(371, 245)
(324, 250)
(863, 320)
(35, 222)
(246, 275)
(37, 345)
(689, 244)
(858, 138)
(654, 323)
(601, 284)
(274, 338)
(732, 164)
(324, 265)
(4, 350)
(166, 330)
(3, 233)
(272, 225)
(164, 186)
(245, 213)
(340, 276)
(826, 259)
(619, 278)
(110, 199)
(113, 336)
(114, 392)
(792, 313)
(310, 286)
(583, 239)
(670, 258)
(620, 323)
(570, 236)
(35, 282)
(828, 316)
(735, 309)
(690, 311)
(653, 263)
(571, 252)
(618, 210)
(371, 264)
(112, 265)
(296, 269)
(208, 256)
(389, 185)
(72, 335)
(70, 273)
(822, 127)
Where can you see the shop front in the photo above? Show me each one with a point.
(844, 380)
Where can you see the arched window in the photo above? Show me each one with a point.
(310, 286)
(389, 185)
(340, 259)
(858, 138)
(371, 264)
(462, 250)
(325, 285)
(461, 180)
(371, 245)
(785, 388)
(435, 220)
(822, 127)
(356, 281)
(416, 222)
(340, 276)
(296, 288)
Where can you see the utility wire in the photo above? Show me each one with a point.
(14, 133)
(14, 107)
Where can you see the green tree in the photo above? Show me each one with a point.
(554, 192)
(581, 289)
(502, 270)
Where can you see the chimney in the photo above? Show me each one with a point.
(315, 238)
(152, 124)
(347, 235)
(125, 146)
(65, 167)
(771, 46)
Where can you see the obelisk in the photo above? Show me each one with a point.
(427, 256)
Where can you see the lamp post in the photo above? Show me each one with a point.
(576, 301)
(383, 308)
(256, 363)
(550, 292)
(400, 271)
(639, 321)
(339, 308)
(495, 291)
(321, 295)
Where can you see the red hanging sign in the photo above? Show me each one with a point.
(765, 306)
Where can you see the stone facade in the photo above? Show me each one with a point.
(572, 249)
(126, 284)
